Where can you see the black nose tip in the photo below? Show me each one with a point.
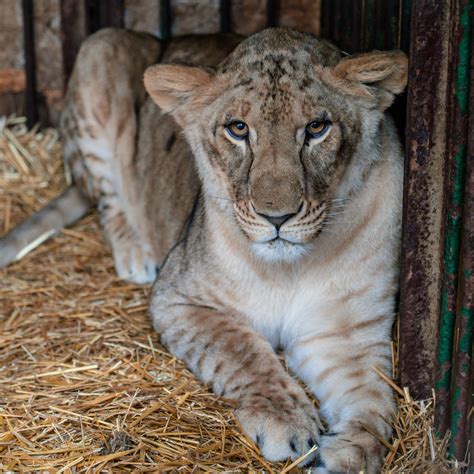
(278, 221)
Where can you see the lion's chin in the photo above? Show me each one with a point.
(279, 250)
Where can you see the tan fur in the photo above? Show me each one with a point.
(277, 241)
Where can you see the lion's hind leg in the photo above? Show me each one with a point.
(134, 259)
(100, 128)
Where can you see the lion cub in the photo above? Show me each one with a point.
(266, 187)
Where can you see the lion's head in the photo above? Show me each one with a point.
(282, 131)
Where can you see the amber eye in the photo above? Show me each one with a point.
(317, 128)
(238, 130)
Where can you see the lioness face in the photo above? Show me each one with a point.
(276, 145)
(274, 129)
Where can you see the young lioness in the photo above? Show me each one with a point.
(286, 237)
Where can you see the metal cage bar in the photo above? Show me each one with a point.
(31, 103)
(73, 33)
(165, 19)
(225, 11)
(103, 13)
(273, 12)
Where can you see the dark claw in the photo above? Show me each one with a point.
(311, 442)
(330, 433)
(259, 441)
(318, 462)
(293, 446)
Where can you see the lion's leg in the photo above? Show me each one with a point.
(99, 124)
(357, 404)
(272, 408)
(134, 259)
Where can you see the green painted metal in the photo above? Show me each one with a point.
(451, 267)
(462, 76)
(444, 379)
(461, 385)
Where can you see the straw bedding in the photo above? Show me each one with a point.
(85, 385)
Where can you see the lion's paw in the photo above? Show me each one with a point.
(349, 452)
(133, 263)
(283, 427)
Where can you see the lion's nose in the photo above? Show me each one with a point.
(278, 221)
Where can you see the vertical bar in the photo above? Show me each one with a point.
(165, 19)
(404, 25)
(273, 13)
(356, 23)
(72, 34)
(369, 24)
(111, 13)
(461, 384)
(93, 22)
(104, 13)
(458, 80)
(349, 27)
(326, 23)
(461, 403)
(336, 20)
(423, 194)
(30, 62)
(225, 10)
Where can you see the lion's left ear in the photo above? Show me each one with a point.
(377, 76)
(177, 89)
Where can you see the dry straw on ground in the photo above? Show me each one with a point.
(85, 385)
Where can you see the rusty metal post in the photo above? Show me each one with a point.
(423, 195)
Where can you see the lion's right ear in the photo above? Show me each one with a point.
(174, 87)
(377, 76)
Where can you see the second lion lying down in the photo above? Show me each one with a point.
(266, 187)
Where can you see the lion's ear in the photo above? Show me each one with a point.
(174, 87)
(378, 75)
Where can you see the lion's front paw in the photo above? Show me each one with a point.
(133, 263)
(283, 426)
(349, 452)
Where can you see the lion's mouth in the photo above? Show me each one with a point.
(278, 238)
(280, 249)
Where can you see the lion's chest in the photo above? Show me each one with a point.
(283, 310)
